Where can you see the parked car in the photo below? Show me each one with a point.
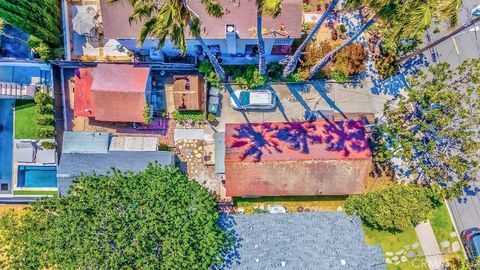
(471, 241)
(262, 99)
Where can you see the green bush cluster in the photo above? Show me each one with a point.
(396, 208)
(196, 116)
(147, 114)
(47, 145)
(43, 50)
(45, 120)
(339, 76)
(251, 78)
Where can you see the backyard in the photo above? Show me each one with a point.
(25, 119)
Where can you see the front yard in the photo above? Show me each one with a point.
(444, 231)
(398, 247)
(25, 119)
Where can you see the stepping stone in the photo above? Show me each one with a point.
(407, 247)
(445, 244)
(453, 234)
(411, 254)
(456, 246)
(395, 258)
(388, 261)
(400, 252)
(415, 245)
(388, 254)
(420, 253)
(403, 259)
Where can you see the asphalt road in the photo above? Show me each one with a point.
(466, 210)
(463, 46)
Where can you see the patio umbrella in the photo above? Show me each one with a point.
(83, 23)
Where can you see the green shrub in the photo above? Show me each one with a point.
(306, 27)
(47, 145)
(386, 67)
(45, 120)
(307, 8)
(147, 114)
(251, 77)
(183, 116)
(44, 109)
(339, 76)
(294, 77)
(43, 98)
(46, 132)
(211, 117)
(210, 74)
(43, 50)
(163, 147)
(341, 28)
(395, 208)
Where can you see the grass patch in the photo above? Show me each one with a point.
(442, 225)
(25, 119)
(394, 242)
(34, 192)
(314, 203)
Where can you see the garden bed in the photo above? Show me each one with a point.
(292, 204)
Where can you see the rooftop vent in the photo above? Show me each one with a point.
(343, 262)
(230, 28)
(284, 263)
(257, 260)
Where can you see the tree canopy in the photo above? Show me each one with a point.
(156, 219)
(395, 208)
(432, 129)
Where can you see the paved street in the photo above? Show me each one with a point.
(463, 46)
(466, 211)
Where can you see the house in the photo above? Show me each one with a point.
(231, 37)
(88, 153)
(297, 241)
(113, 92)
(22, 79)
(296, 158)
(186, 93)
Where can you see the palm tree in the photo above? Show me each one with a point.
(270, 8)
(293, 60)
(169, 19)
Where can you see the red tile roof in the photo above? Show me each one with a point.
(83, 95)
(113, 92)
(299, 158)
(241, 13)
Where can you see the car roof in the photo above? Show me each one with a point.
(476, 243)
(260, 97)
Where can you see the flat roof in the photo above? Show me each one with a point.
(85, 142)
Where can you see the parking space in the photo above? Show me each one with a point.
(328, 99)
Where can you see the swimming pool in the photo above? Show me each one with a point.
(6, 141)
(37, 176)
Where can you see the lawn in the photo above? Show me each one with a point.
(25, 119)
(442, 225)
(34, 192)
(314, 203)
(396, 242)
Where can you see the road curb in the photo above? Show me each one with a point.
(456, 228)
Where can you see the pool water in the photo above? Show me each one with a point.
(6, 140)
(37, 176)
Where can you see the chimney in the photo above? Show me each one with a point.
(231, 36)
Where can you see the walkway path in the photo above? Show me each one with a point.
(429, 245)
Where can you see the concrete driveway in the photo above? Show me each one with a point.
(333, 100)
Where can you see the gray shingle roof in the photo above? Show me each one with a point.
(72, 165)
(324, 240)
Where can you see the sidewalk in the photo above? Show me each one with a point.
(429, 245)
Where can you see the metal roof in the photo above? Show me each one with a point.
(72, 165)
(85, 142)
(323, 240)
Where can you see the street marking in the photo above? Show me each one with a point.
(455, 45)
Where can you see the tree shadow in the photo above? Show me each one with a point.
(269, 138)
(296, 93)
(319, 86)
(230, 256)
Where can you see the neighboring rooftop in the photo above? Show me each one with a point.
(85, 142)
(241, 13)
(296, 158)
(72, 165)
(112, 92)
(322, 240)
(189, 93)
